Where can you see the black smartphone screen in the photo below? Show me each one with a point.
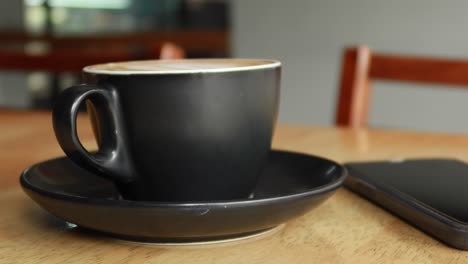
(439, 183)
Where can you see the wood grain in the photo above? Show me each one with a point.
(345, 229)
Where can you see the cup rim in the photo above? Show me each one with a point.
(268, 64)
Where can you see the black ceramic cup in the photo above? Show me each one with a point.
(185, 130)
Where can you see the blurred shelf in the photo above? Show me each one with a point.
(197, 43)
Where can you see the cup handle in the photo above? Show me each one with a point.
(112, 159)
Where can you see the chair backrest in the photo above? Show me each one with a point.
(360, 66)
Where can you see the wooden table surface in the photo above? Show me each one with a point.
(345, 229)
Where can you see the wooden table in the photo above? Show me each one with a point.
(345, 229)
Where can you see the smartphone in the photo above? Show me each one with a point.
(431, 194)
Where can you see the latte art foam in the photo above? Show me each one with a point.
(180, 66)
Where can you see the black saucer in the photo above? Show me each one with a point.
(290, 185)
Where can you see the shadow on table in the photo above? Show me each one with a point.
(47, 222)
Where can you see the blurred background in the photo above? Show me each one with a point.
(308, 36)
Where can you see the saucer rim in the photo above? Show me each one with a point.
(328, 187)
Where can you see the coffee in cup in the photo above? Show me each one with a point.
(175, 130)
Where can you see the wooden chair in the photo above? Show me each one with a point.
(71, 59)
(361, 66)
(196, 43)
